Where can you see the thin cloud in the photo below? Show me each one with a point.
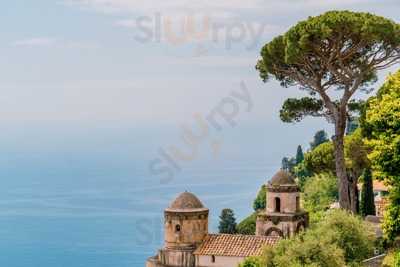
(35, 42)
(135, 6)
(54, 42)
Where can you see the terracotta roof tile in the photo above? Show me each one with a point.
(380, 186)
(234, 245)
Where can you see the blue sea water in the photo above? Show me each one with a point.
(85, 197)
(106, 219)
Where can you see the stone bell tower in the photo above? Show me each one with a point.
(185, 227)
(283, 215)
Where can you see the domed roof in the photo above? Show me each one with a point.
(282, 178)
(186, 201)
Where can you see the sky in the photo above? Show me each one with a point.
(117, 81)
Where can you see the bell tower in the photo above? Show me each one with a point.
(283, 215)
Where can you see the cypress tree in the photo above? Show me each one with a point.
(299, 155)
(367, 204)
(227, 223)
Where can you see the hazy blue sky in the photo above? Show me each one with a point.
(113, 81)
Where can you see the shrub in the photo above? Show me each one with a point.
(308, 249)
(380, 125)
(392, 259)
(319, 192)
(341, 239)
(248, 225)
(261, 200)
(252, 262)
(350, 233)
(391, 222)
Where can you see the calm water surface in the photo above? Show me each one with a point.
(105, 219)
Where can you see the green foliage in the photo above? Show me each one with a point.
(336, 51)
(302, 173)
(248, 225)
(352, 125)
(392, 259)
(315, 38)
(350, 233)
(322, 158)
(252, 262)
(381, 126)
(299, 155)
(391, 221)
(261, 200)
(227, 223)
(320, 191)
(294, 110)
(356, 153)
(320, 137)
(339, 239)
(355, 107)
(305, 250)
(367, 204)
(315, 52)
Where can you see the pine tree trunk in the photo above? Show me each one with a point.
(347, 186)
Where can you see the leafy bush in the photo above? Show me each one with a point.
(392, 259)
(322, 158)
(307, 249)
(340, 239)
(302, 174)
(320, 191)
(261, 200)
(391, 222)
(350, 233)
(248, 225)
(252, 262)
(380, 124)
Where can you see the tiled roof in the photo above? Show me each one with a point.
(234, 245)
(377, 185)
(380, 186)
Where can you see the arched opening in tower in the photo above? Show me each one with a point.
(277, 204)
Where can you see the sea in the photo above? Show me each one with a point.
(104, 216)
(85, 195)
